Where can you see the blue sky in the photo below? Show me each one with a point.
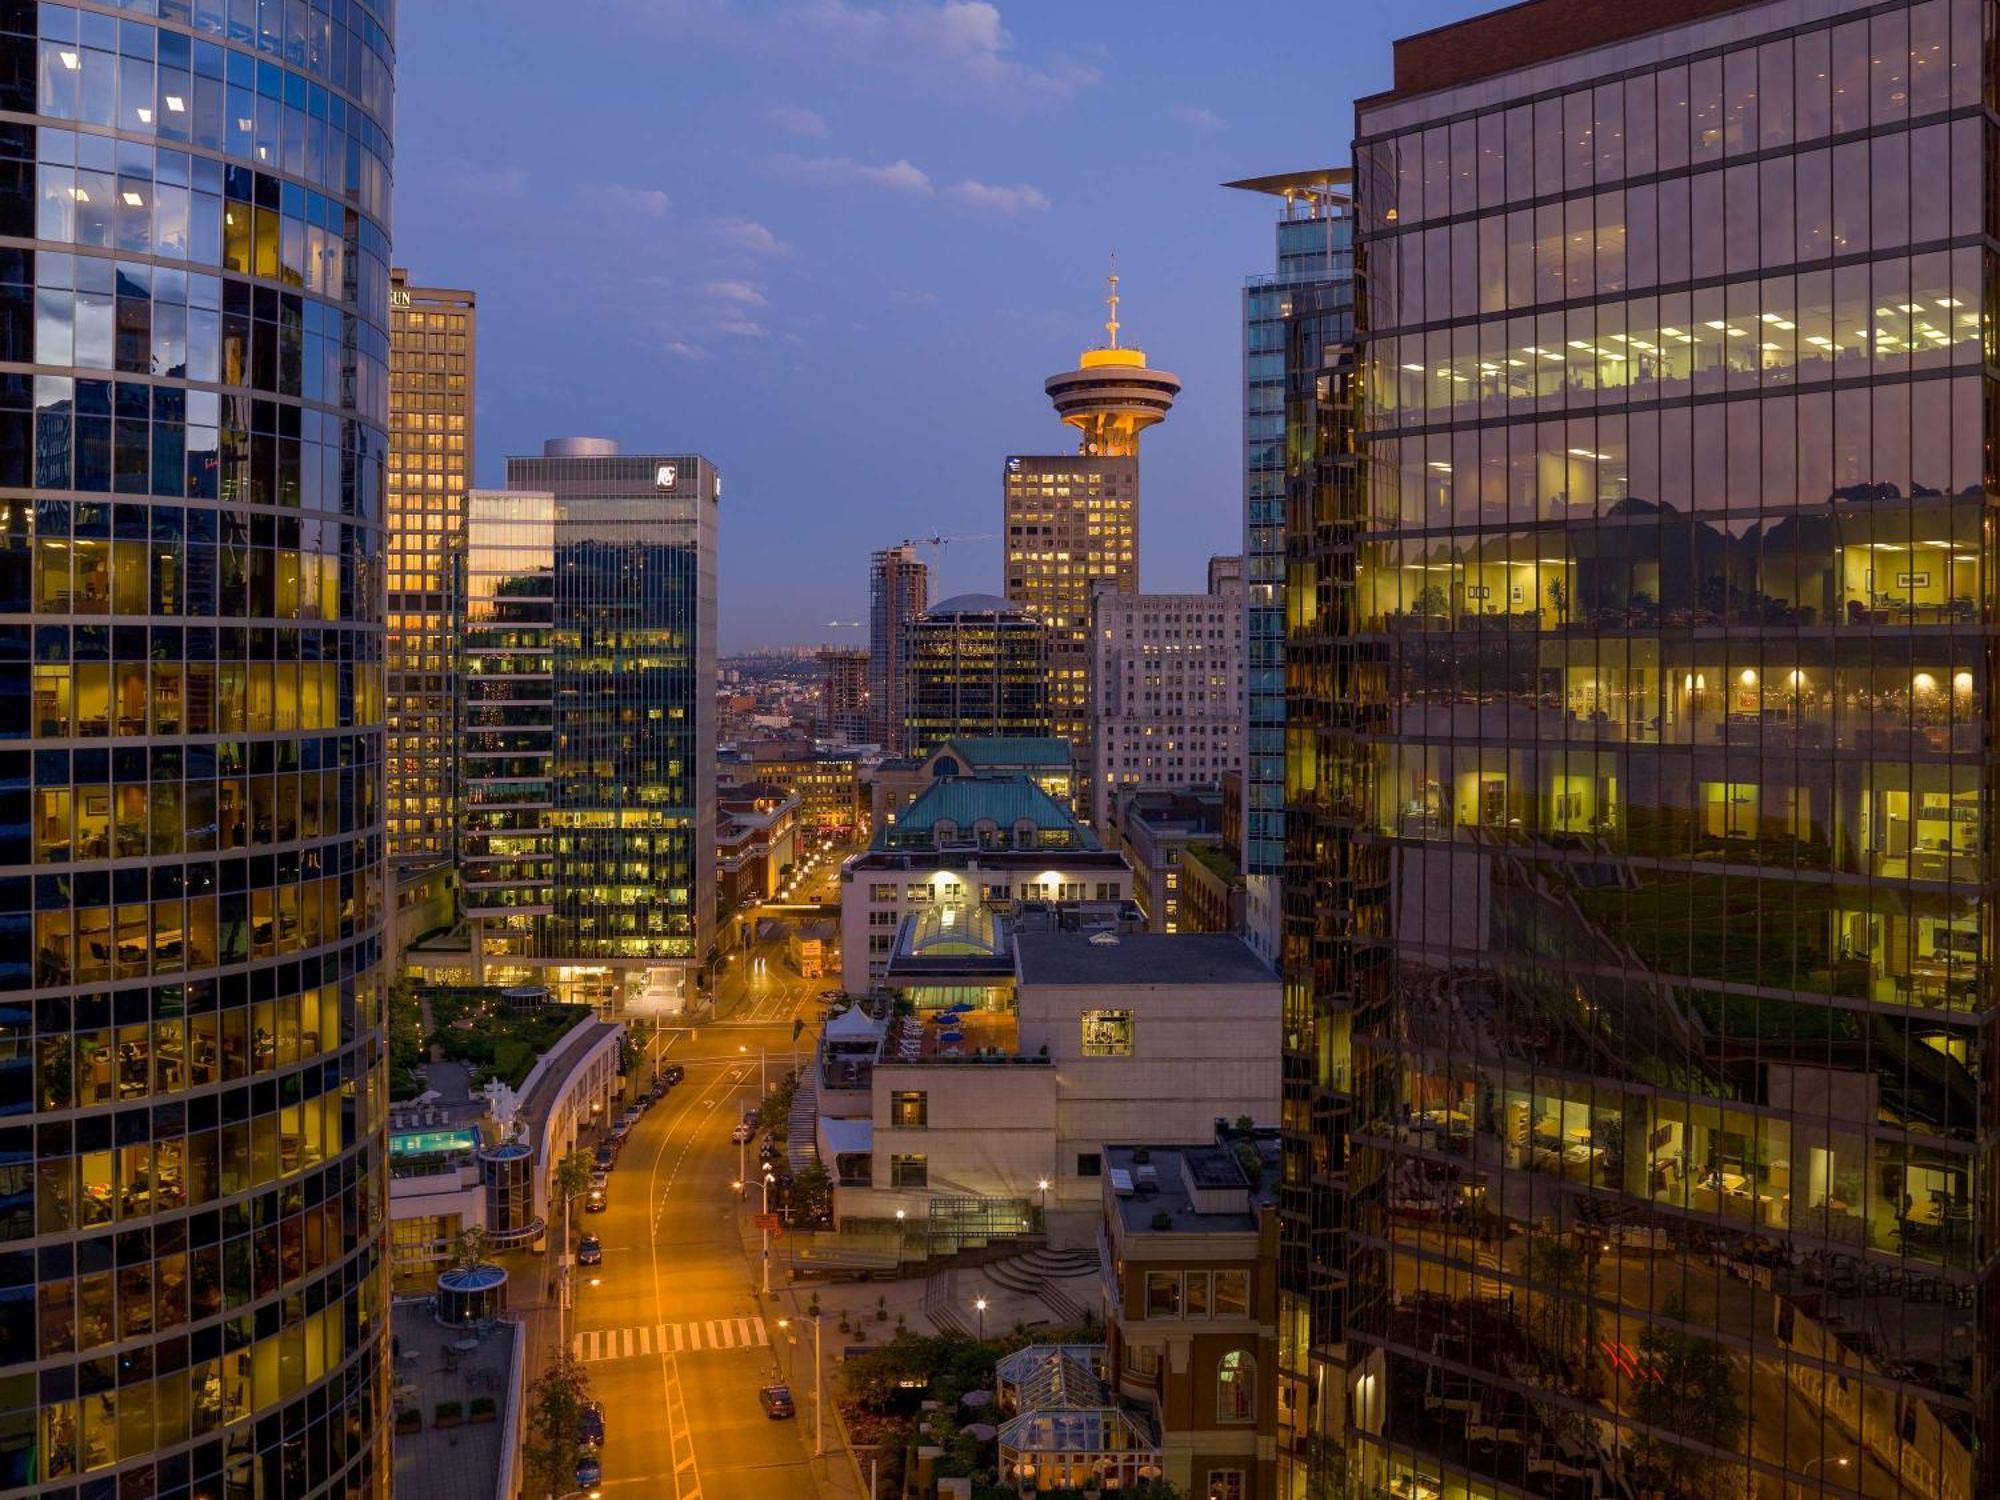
(837, 245)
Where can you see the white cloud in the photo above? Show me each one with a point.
(743, 328)
(1196, 116)
(966, 36)
(739, 292)
(649, 203)
(472, 180)
(797, 120)
(682, 349)
(749, 236)
(843, 171)
(1000, 198)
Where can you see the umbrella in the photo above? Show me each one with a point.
(429, 1096)
(976, 1398)
(984, 1432)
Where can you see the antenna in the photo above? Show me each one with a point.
(1111, 323)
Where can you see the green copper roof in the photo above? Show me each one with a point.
(965, 801)
(995, 750)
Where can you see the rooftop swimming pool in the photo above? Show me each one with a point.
(431, 1142)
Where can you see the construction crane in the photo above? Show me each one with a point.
(938, 543)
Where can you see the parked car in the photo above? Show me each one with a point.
(590, 1430)
(596, 1201)
(750, 1117)
(590, 1251)
(630, 1118)
(600, 1180)
(777, 1402)
(742, 1133)
(618, 1133)
(607, 1158)
(589, 1472)
(674, 1073)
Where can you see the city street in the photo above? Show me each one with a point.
(670, 1329)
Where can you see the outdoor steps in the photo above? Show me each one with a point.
(941, 1304)
(1030, 1275)
(802, 1123)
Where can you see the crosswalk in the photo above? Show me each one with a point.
(713, 1335)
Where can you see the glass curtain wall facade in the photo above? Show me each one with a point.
(193, 403)
(899, 590)
(977, 667)
(507, 730)
(1651, 1055)
(432, 344)
(632, 666)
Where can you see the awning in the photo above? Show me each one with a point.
(839, 1137)
(852, 1025)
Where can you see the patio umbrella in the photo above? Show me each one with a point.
(976, 1398)
(984, 1432)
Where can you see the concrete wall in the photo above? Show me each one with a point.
(991, 1133)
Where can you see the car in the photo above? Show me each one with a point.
(741, 1135)
(590, 1427)
(750, 1117)
(590, 1251)
(596, 1201)
(589, 1471)
(606, 1158)
(674, 1074)
(618, 1133)
(599, 1181)
(630, 1117)
(777, 1402)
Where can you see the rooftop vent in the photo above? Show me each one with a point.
(1104, 939)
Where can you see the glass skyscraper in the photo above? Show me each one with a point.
(193, 393)
(977, 667)
(1640, 902)
(589, 744)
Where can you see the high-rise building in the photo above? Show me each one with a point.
(899, 590)
(589, 771)
(1072, 520)
(1640, 891)
(432, 336)
(1315, 252)
(843, 694)
(193, 435)
(976, 667)
(1167, 690)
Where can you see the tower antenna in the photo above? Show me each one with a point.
(1111, 323)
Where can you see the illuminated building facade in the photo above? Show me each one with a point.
(899, 590)
(193, 435)
(1072, 521)
(589, 806)
(1640, 891)
(1314, 254)
(432, 339)
(843, 694)
(977, 668)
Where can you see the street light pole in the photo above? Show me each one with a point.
(980, 1306)
(1806, 1471)
(764, 1231)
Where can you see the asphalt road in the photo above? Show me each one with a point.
(674, 1338)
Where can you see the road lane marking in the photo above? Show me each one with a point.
(644, 1341)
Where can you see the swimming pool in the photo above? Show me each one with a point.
(431, 1142)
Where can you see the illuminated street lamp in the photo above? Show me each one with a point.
(980, 1307)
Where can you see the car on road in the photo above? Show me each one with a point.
(590, 1251)
(674, 1073)
(750, 1117)
(630, 1117)
(618, 1133)
(741, 1135)
(589, 1471)
(606, 1159)
(600, 1180)
(777, 1402)
(596, 1201)
(590, 1429)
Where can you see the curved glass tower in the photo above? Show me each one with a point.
(194, 302)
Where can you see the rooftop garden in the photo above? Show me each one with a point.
(474, 1027)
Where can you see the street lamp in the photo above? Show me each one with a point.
(764, 1229)
(1838, 1463)
(980, 1307)
(819, 1405)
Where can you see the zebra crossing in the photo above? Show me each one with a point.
(712, 1335)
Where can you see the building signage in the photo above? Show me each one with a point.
(665, 476)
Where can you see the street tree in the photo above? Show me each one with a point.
(1686, 1385)
(469, 1249)
(552, 1440)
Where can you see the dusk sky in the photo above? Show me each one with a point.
(837, 245)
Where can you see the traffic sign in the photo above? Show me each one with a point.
(766, 1221)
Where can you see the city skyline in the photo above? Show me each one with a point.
(851, 225)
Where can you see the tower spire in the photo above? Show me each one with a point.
(1111, 323)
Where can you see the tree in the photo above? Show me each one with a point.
(812, 1194)
(1686, 1385)
(550, 1444)
(1563, 1316)
(468, 1250)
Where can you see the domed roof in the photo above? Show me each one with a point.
(974, 604)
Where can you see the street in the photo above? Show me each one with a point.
(674, 1338)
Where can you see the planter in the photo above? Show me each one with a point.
(409, 1421)
(447, 1414)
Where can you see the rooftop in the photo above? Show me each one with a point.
(1152, 958)
(1168, 1178)
(974, 604)
(996, 750)
(428, 1368)
(967, 801)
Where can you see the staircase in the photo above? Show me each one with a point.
(802, 1124)
(941, 1304)
(1031, 1275)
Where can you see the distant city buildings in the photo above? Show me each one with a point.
(843, 695)
(1166, 688)
(976, 669)
(899, 591)
(433, 342)
(1046, 762)
(1155, 831)
(589, 824)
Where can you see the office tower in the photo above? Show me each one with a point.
(1315, 252)
(1639, 894)
(589, 771)
(843, 694)
(432, 333)
(193, 430)
(899, 589)
(1072, 520)
(1167, 681)
(976, 668)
